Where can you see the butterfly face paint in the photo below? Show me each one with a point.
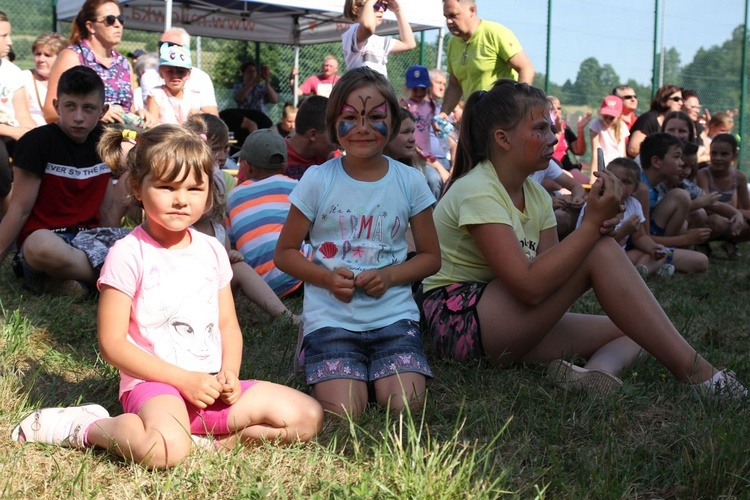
(357, 111)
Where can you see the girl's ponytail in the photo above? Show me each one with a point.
(110, 148)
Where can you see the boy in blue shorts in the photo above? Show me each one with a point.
(661, 162)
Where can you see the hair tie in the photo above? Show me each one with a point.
(481, 94)
(203, 136)
(130, 135)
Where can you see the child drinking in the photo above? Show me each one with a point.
(167, 322)
(731, 214)
(360, 320)
(171, 102)
(505, 284)
(608, 132)
(361, 46)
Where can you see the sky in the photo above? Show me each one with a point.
(615, 32)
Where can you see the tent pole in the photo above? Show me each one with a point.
(439, 61)
(296, 77)
(168, 16)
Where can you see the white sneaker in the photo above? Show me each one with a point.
(203, 442)
(665, 271)
(60, 426)
(570, 376)
(723, 384)
(642, 270)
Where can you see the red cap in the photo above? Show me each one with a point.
(612, 106)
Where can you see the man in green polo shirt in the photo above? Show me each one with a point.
(479, 53)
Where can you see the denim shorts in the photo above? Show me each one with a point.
(335, 353)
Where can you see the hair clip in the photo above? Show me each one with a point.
(203, 136)
(130, 135)
(481, 94)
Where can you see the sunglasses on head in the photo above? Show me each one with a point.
(110, 20)
(629, 97)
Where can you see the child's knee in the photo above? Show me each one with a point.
(677, 197)
(164, 451)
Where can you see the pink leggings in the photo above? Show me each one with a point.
(213, 419)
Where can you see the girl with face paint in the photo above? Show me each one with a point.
(360, 322)
(506, 284)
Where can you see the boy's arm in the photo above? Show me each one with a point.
(25, 190)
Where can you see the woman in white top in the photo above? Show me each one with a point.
(45, 49)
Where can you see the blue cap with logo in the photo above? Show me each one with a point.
(417, 76)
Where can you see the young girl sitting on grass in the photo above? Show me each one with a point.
(730, 216)
(506, 284)
(167, 322)
(360, 320)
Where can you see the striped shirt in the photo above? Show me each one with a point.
(257, 212)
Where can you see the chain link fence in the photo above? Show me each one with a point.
(715, 72)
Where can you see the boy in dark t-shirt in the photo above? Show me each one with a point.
(60, 187)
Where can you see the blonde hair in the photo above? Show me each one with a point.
(55, 41)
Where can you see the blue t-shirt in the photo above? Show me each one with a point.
(359, 225)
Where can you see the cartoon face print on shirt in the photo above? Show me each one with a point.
(362, 126)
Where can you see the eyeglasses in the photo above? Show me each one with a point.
(675, 99)
(110, 20)
(629, 97)
(380, 4)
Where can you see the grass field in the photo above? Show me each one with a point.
(484, 432)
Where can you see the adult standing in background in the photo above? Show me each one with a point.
(199, 80)
(97, 30)
(629, 104)
(321, 84)
(45, 49)
(668, 98)
(479, 53)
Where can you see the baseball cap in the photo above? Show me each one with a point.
(417, 76)
(612, 106)
(264, 148)
(172, 54)
(136, 53)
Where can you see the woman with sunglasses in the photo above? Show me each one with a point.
(668, 98)
(361, 46)
(97, 30)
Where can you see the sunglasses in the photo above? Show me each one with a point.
(629, 97)
(110, 20)
(380, 4)
(675, 99)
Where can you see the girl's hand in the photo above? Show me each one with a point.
(697, 235)
(659, 252)
(340, 282)
(148, 119)
(576, 203)
(235, 257)
(708, 199)
(201, 389)
(558, 202)
(631, 225)
(113, 114)
(604, 198)
(582, 120)
(736, 223)
(393, 6)
(374, 281)
(231, 390)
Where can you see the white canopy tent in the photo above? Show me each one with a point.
(293, 22)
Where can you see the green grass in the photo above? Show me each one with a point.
(483, 433)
